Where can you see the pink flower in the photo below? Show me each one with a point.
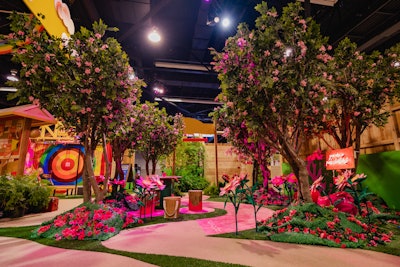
(278, 43)
(97, 70)
(87, 71)
(277, 180)
(47, 69)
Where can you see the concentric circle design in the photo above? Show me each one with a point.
(64, 163)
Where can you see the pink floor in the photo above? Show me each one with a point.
(186, 239)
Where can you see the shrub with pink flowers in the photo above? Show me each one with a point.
(88, 221)
(312, 224)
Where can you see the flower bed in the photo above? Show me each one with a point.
(88, 221)
(312, 224)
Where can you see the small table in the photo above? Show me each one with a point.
(195, 200)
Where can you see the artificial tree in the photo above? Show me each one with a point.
(160, 133)
(363, 85)
(80, 80)
(241, 138)
(272, 80)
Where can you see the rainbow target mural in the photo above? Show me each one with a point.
(64, 163)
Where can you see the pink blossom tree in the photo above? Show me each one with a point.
(272, 80)
(83, 80)
(363, 86)
(241, 138)
(160, 133)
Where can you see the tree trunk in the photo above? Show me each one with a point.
(299, 167)
(118, 160)
(303, 181)
(153, 166)
(87, 196)
(147, 166)
(92, 180)
(108, 168)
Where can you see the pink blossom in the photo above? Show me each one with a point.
(47, 69)
(98, 35)
(278, 43)
(272, 14)
(97, 70)
(87, 71)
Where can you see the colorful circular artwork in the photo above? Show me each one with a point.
(64, 163)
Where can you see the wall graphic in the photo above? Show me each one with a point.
(64, 163)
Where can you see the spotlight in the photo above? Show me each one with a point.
(216, 19)
(158, 90)
(226, 22)
(154, 36)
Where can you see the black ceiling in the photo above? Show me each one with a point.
(180, 62)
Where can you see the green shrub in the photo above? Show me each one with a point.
(20, 194)
(189, 165)
(191, 182)
(212, 191)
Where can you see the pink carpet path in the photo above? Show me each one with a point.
(221, 224)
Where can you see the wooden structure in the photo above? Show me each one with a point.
(373, 139)
(15, 129)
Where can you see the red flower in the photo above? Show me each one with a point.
(331, 225)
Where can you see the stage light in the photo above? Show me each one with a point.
(226, 22)
(158, 90)
(154, 36)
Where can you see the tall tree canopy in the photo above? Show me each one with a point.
(273, 79)
(363, 86)
(83, 81)
(159, 135)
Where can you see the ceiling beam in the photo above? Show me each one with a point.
(395, 29)
(376, 10)
(152, 11)
(214, 86)
(187, 100)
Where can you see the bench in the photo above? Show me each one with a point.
(62, 189)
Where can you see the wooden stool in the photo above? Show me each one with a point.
(195, 200)
(171, 207)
